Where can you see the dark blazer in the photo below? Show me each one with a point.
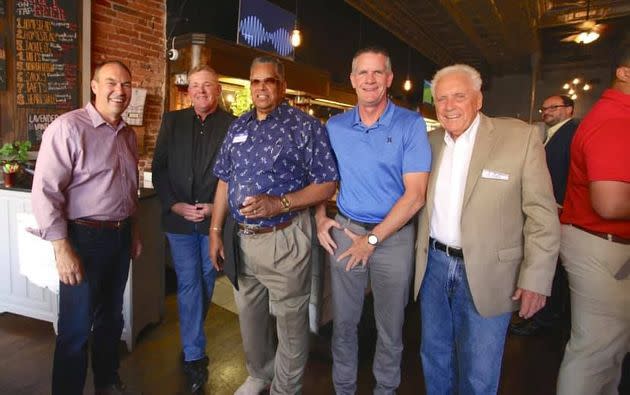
(558, 150)
(172, 166)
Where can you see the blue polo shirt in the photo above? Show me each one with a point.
(283, 153)
(372, 160)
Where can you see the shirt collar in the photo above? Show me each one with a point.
(385, 119)
(98, 120)
(469, 134)
(553, 129)
(278, 113)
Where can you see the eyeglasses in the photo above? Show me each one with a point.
(551, 108)
(265, 81)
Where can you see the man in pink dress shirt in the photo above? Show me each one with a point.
(84, 197)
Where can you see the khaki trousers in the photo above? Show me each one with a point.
(275, 282)
(600, 313)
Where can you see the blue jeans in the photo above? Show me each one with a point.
(195, 284)
(94, 306)
(461, 351)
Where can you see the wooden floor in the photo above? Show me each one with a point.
(26, 347)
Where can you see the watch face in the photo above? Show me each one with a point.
(373, 240)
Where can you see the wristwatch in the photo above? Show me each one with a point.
(372, 239)
(286, 204)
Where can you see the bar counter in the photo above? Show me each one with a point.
(144, 293)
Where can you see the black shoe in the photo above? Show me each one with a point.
(527, 328)
(196, 373)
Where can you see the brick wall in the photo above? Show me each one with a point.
(133, 31)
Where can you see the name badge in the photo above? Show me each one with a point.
(494, 175)
(240, 138)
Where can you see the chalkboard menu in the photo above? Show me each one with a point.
(47, 54)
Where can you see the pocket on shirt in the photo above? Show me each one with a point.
(509, 255)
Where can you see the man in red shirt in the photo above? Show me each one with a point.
(595, 247)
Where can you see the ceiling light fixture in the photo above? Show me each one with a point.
(586, 87)
(590, 34)
(587, 37)
(296, 34)
(407, 84)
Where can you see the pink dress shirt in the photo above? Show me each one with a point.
(85, 168)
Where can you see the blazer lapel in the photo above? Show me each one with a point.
(484, 143)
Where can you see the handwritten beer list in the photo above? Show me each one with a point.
(46, 53)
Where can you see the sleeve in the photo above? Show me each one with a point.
(320, 160)
(417, 150)
(53, 173)
(159, 166)
(223, 165)
(606, 150)
(541, 229)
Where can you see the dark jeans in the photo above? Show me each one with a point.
(94, 305)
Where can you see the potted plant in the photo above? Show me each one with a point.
(12, 156)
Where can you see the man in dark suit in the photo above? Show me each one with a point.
(182, 176)
(557, 113)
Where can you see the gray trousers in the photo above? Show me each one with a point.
(275, 280)
(389, 272)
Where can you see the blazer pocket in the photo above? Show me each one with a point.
(511, 254)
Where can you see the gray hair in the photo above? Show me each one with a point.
(470, 72)
(375, 50)
(270, 60)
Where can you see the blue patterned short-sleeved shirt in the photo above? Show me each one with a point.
(281, 154)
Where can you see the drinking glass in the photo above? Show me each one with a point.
(242, 190)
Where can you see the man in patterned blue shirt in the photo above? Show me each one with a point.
(384, 160)
(275, 162)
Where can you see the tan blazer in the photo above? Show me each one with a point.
(510, 228)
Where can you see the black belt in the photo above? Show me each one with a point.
(450, 251)
(92, 223)
(364, 225)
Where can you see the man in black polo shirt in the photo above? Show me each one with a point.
(182, 176)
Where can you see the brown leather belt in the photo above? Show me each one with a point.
(605, 236)
(92, 223)
(256, 230)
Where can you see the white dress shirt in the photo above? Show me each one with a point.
(450, 185)
(553, 129)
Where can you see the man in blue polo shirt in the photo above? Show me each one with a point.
(275, 162)
(384, 159)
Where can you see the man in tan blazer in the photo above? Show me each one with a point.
(488, 237)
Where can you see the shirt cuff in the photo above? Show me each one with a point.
(54, 232)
